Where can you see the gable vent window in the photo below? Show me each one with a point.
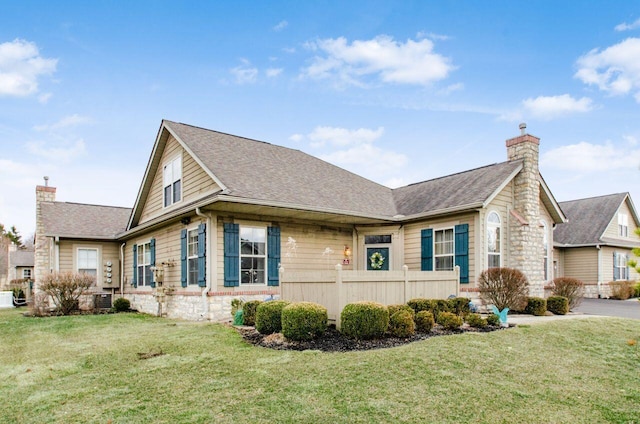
(172, 181)
(623, 225)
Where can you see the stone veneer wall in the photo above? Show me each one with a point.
(526, 238)
(43, 248)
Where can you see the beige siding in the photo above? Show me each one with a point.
(607, 263)
(582, 263)
(107, 252)
(558, 258)
(501, 204)
(613, 231)
(195, 181)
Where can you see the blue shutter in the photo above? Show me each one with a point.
(183, 257)
(135, 266)
(616, 270)
(231, 255)
(273, 255)
(427, 250)
(461, 237)
(202, 254)
(153, 260)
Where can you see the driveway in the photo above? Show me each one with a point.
(611, 308)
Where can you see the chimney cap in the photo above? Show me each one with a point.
(523, 127)
(46, 181)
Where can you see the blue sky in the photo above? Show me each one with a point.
(398, 92)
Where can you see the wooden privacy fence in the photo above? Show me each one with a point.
(333, 289)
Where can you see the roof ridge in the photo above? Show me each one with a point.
(595, 197)
(90, 204)
(226, 133)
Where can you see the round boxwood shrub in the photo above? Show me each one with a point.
(121, 304)
(395, 308)
(364, 320)
(536, 306)
(249, 311)
(269, 316)
(401, 324)
(420, 304)
(493, 320)
(476, 321)
(304, 321)
(459, 306)
(424, 321)
(449, 320)
(559, 305)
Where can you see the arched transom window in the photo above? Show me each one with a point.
(493, 240)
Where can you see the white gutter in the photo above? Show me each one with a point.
(207, 256)
(122, 269)
(599, 269)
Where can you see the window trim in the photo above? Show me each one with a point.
(77, 264)
(193, 257)
(170, 162)
(265, 256)
(623, 271)
(497, 226)
(623, 224)
(453, 248)
(141, 249)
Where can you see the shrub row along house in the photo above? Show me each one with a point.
(217, 215)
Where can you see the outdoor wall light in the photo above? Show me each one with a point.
(347, 256)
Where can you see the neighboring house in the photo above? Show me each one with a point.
(218, 214)
(595, 244)
(20, 263)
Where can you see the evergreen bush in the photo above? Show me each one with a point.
(364, 320)
(121, 304)
(269, 316)
(424, 321)
(304, 321)
(536, 306)
(449, 320)
(401, 324)
(559, 305)
(249, 311)
(476, 321)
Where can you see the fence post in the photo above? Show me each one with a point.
(457, 280)
(405, 268)
(340, 294)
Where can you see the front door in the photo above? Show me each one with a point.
(378, 259)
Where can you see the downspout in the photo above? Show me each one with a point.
(599, 270)
(207, 288)
(122, 269)
(56, 253)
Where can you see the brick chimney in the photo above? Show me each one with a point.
(526, 239)
(43, 262)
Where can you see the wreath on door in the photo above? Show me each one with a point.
(376, 260)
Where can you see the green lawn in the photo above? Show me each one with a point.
(85, 369)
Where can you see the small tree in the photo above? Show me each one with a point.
(571, 288)
(504, 288)
(65, 288)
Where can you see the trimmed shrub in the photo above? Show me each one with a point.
(420, 304)
(364, 320)
(449, 320)
(636, 290)
(401, 324)
(571, 288)
(439, 306)
(536, 306)
(621, 289)
(66, 288)
(121, 304)
(459, 306)
(424, 321)
(269, 316)
(504, 288)
(236, 305)
(476, 321)
(493, 320)
(395, 308)
(559, 305)
(304, 321)
(249, 311)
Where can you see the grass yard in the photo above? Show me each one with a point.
(85, 369)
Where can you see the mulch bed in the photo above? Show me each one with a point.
(334, 341)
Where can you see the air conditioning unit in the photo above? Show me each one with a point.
(102, 301)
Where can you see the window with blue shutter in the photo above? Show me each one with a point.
(427, 250)
(231, 255)
(134, 280)
(202, 252)
(461, 234)
(273, 255)
(183, 258)
(152, 243)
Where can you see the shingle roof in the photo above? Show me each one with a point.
(454, 191)
(588, 219)
(21, 257)
(78, 220)
(262, 171)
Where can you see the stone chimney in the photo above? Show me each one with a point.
(43, 262)
(526, 234)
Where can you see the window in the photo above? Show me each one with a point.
(443, 249)
(253, 255)
(623, 225)
(545, 250)
(26, 273)
(144, 264)
(493, 240)
(88, 261)
(172, 181)
(620, 265)
(192, 256)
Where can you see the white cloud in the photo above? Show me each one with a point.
(549, 107)
(296, 137)
(58, 152)
(367, 160)
(21, 66)
(273, 72)
(615, 69)
(280, 26)
(413, 62)
(432, 36)
(451, 88)
(66, 122)
(626, 27)
(591, 158)
(245, 73)
(44, 98)
(343, 137)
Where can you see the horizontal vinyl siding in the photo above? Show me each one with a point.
(607, 262)
(107, 251)
(501, 204)
(612, 230)
(582, 263)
